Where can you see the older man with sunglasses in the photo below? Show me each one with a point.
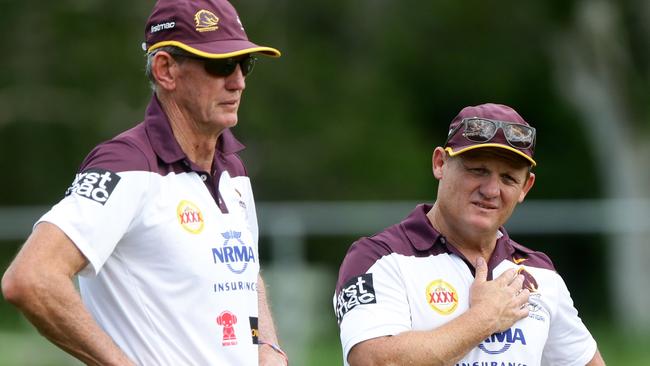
(448, 286)
(160, 222)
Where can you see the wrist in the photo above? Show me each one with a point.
(275, 347)
(484, 324)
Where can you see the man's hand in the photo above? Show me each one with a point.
(502, 300)
(494, 307)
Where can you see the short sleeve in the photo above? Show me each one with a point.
(372, 304)
(100, 204)
(569, 342)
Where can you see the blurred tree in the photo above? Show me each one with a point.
(601, 74)
(366, 89)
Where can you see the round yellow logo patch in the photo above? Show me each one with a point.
(190, 217)
(442, 297)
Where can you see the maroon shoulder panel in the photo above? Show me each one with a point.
(414, 236)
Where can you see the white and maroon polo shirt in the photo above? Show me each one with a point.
(409, 278)
(172, 249)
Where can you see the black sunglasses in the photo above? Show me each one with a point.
(224, 66)
(483, 130)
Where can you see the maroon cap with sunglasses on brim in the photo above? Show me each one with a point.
(206, 28)
(494, 126)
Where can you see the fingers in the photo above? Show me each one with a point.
(522, 297)
(509, 277)
(481, 270)
(521, 300)
(517, 281)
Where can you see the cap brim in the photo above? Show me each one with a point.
(478, 146)
(220, 49)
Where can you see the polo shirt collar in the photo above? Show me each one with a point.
(419, 230)
(423, 236)
(164, 143)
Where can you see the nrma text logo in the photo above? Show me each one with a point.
(234, 253)
(500, 342)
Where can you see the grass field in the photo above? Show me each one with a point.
(617, 347)
(27, 348)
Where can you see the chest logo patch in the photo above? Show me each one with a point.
(499, 343)
(234, 253)
(442, 297)
(228, 320)
(190, 217)
(529, 281)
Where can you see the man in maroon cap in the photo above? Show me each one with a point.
(160, 222)
(448, 286)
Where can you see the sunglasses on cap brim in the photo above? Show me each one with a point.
(483, 130)
(224, 66)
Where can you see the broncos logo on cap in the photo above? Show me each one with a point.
(206, 21)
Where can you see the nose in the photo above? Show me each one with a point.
(490, 186)
(236, 80)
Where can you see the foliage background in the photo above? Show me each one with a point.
(364, 91)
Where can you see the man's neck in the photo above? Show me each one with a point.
(471, 244)
(198, 145)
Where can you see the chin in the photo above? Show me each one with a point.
(228, 122)
(483, 224)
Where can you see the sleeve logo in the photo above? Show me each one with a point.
(357, 291)
(94, 184)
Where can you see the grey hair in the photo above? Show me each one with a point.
(172, 50)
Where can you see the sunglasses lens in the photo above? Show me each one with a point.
(479, 130)
(218, 67)
(519, 136)
(247, 65)
(225, 67)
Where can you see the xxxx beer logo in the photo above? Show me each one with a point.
(190, 217)
(442, 297)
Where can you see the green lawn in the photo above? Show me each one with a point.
(26, 348)
(617, 348)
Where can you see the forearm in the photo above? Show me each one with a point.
(269, 352)
(39, 282)
(444, 345)
(58, 313)
(266, 327)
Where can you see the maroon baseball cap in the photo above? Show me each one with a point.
(458, 143)
(206, 28)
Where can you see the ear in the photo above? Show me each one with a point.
(164, 69)
(527, 186)
(439, 159)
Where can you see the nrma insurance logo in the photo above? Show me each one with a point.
(498, 343)
(234, 253)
